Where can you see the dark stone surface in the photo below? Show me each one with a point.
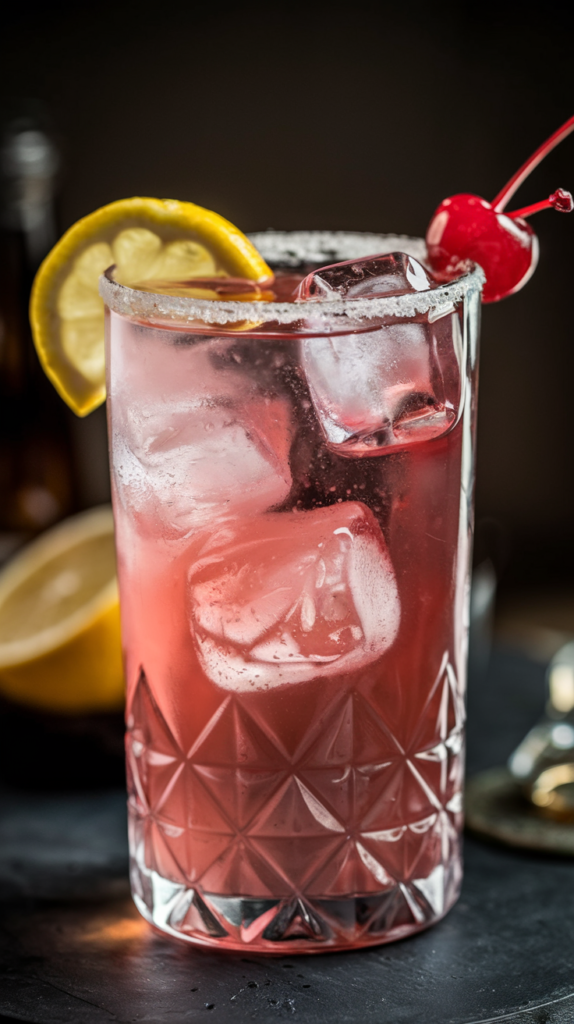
(503, 954)
(69, 846)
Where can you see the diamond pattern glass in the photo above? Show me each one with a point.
(353, 836)
(294, 616)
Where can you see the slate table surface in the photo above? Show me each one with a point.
(73, 950)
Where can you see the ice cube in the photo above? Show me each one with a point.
(288, 597)
(388, 388)
(390, 274)
(192, 442)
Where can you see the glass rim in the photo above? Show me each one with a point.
(290, 248)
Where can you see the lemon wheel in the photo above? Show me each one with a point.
(147, 240)
(60, 646)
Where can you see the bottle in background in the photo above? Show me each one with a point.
(36, 472)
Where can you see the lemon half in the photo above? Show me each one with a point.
(150, 240)
(60, 645)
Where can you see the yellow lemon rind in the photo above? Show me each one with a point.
(70, 679)
(76, 664)
(172, 220)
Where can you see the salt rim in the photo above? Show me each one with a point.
(290, 248)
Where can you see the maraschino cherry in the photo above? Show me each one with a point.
(466, 227)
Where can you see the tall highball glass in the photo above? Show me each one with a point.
(292, 487)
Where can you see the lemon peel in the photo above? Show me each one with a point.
(147, 240)
(60, 646)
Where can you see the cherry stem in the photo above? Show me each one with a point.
(559, 200)
(527, 211)
(515, 182)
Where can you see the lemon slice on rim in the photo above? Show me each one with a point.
(150, 240)
(60, 643)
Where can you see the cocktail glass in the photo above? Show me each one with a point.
(292, 487)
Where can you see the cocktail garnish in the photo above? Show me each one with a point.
(147, 240)
(467, 227)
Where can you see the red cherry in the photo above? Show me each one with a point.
(466, 227)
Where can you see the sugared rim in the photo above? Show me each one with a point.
(290, 248)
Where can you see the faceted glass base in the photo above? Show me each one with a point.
(294, 924)
(349, 840)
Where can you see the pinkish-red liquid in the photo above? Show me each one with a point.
(293, 624)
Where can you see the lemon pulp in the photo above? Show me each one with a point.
(60, 643)
(149, 241)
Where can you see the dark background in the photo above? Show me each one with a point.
(361, 116)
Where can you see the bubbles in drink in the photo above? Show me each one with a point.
(390, 387)
(288, 598)
(293, 618)
(394, 385)
(205, 443)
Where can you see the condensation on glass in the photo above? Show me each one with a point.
(293, 505)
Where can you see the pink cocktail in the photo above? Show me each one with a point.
(293, 505)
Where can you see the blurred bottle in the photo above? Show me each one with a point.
(36, 474)
(51, 462)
